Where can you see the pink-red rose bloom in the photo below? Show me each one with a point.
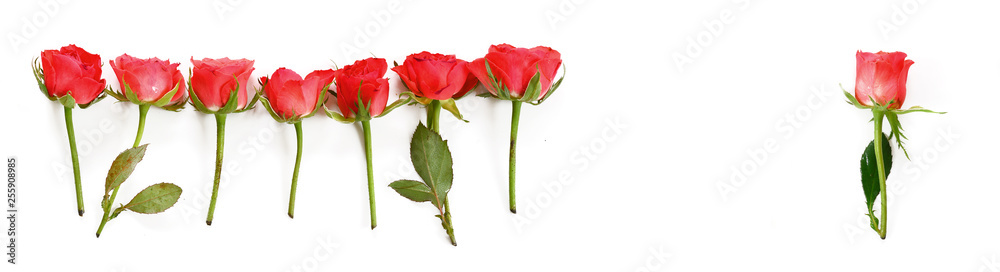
(514, 67)
(213, 81)
(882, 76)
(150, 79)
(72, 70)
(292, 97)
(368, 77)
(436, 76)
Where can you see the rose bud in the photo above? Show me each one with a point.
(150, 82)
(214, 81)
(436, 76)
(73, 71)
(71, 76)
(290, 98)
(882, 77)
(511, 70)
(366, 76)
(519, 75)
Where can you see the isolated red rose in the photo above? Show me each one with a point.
(368, 77)
(436, 76)
(882, 76)
(213, 81)
(150, 79)
(514, 67)
(72, 70)
(292, 97)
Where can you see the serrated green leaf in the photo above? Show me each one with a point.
(154, 199)
(123, 166)
(869, 170)
(432, 160)
(412, 190)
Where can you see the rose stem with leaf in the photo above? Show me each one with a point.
(432, 160)
(434, 123)
(153, 199)
(143, 109)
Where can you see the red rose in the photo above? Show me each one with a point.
(290, 97)
(436, 76)
(368, 77)
(514, 67)
(149, 79)
(214, 80)
(72, 70)
(882, 76)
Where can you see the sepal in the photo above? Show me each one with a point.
(395, 104)
(36, 69)
(452, 107)
(337, 116)
(92, 102)
(165, 99)
(552, 89)
(67, 101)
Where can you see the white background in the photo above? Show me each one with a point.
(760, 93)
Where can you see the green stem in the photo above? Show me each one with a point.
(143, 109)
(366, 126)
(76, 159)
(220, 133)
(433, 116)
(295, 173)
(881, 170)
(449, 228)
(514, 117)
(106, 205)
(434, 123)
